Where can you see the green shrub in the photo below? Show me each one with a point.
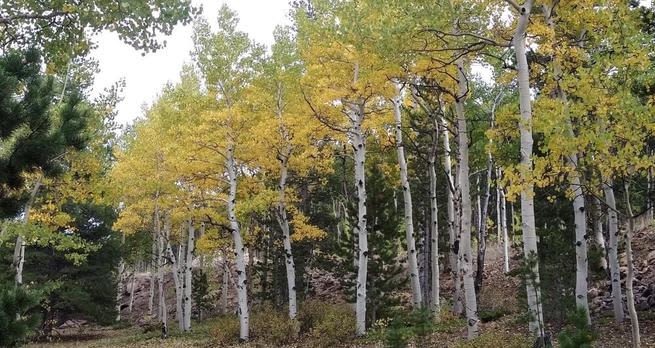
(311, 312)
(272, 326)
(328, 325)
(579, 334)
(18, 315)
(498, 339)
(407, 326)
(487, 315)
(226, 330)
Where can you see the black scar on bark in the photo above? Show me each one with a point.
(456, 247)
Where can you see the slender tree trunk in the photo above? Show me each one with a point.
(283, 221)
(177, 265)
(240, 250)
(120, 287)
(359, 147)
(613, 251)
(161, 261)
(407, 197)
(502, 222)
(19, 251)
(188, 276)
(600, 235)
(435, 303)
(153, 265)
(224, 286)
(630, 296)
(575, 185)
(482, 232)
(527, 193)
(465, 255)
(132, 291)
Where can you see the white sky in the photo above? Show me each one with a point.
(146, 75)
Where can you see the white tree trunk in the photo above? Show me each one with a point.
(132, 284)
(453, 227)
(630, 296)
(176, 270)
(120, 287)
(503, 225)
(527, 193)
(407, 197)
(286, 234)
(600, 235)
(19, 251)
(359, 147)
(575, 185)
(240, 250)
(153, 263)
(465, 254)
(613, 254)
(224, 286)
(161, 261)
(435, 303)
(188, 277)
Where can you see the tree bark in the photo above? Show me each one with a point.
(630, 296)
(503, 224)
(527, 193)
(613, 250)
(19, 251)
(482, 225)
(358, 141)
(407, 197)
(240, 250)
(283, 221)
(188, 277)
(435, 303)
(465, 255)
(575, 185)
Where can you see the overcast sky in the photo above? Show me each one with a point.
(146, 75)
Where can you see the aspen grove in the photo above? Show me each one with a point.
(448, 173)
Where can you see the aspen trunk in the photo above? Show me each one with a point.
(575, 185)
(613, 251)
(132, 291)
(188, 276)
(161, 261)
(224, 286)
(450, 189)
(283, 221)
(177, 274)
(153, 263)
(120, 288)
(19, 250)
(630, 296)
(465, 254)
(407, 197)
(359, 147)
(482, 225)
(503, 225)
(240, 250)
(435, 304)
(600, 235)
(527, 193)
(458, 296)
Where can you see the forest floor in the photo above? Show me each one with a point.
(503, 323)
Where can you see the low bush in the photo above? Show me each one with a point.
(273, 326)
(578, 334)
(327, 325)
(226, 330)
(18, 315)
(404, 327)
(498, 339)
